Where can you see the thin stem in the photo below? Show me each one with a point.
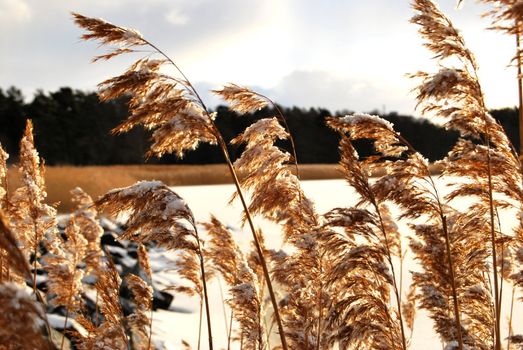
(510, 317)
(320, 304)
(200, 324)
(46, 320)
(497, 300)
(520, 88)
(486, 131)
(457, 311)
(35, 251)
(65, 323)
(150, 329)
(205, 293)
(229, 335)
(256, 242)
(223, 308)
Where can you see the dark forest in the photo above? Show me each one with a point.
(73, 127)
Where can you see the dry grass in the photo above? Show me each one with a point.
(339, 274)
(97, 180)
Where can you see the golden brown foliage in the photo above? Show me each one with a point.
(246, 301)
(65, 278)
(21, 321)
(111, 334)
(242, 99)
(14, 258)
(139, 321)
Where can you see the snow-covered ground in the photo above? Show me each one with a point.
(181, 321)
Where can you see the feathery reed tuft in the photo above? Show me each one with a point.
(246, 301)
(22, 321)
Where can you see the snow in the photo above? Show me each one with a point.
(57, 322)
(180, 322)
(174, 207)
(138, 189)
(365, 118)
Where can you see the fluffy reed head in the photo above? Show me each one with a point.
(167, 104)
(9, 244)
(22, 321)
(275, 192)
(242, 99)
(86, 218)
(245, 300)
(65, 278)
(155, 214)
(29, 216)
(3, 178)
(139, 321)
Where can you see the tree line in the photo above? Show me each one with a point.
(73, 127)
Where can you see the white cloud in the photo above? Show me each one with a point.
(329, 89)
(177, 18)
(14, 11)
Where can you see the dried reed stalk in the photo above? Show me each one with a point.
(382, 242)
(14, 256)
(29, 216)
(157, 214)
(111, 334)
(140, 321)
(169, 105)
(86, 218)
(143, 260)
(455, 94)
(65, 279)
(276, 194)
(408, 183)
(246, 301)
(21, 320)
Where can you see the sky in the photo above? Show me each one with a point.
(338, 54)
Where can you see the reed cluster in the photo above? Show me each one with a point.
(338, 280)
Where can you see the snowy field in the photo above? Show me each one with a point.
(181, 321)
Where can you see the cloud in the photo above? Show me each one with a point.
(309, 88)
(177, 18)
(14, 11)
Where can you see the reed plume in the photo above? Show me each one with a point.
(139, 321)
(14, 259)
(65, 278)
(246, 301)
(409, 184)
(28, 214)
(4, 197)
(454, 93)
(157, 214)
(86, 218)
(111, 333)
(167, 104)
(22, 320)
(381, 243)
(276, 194)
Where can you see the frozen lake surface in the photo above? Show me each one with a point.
(182, 321)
